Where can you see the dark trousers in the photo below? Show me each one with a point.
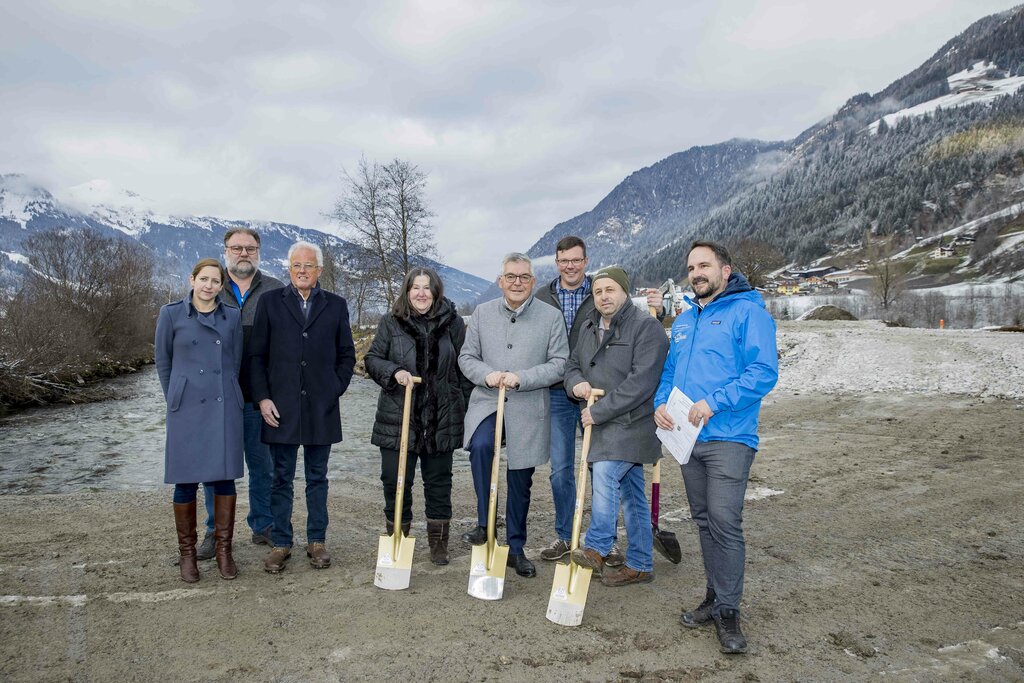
(282, 492)
(436, 470)
(716, 480)
(517, 504)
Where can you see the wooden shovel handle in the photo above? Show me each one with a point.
(403, 456)
(581, 480)
(492, 502)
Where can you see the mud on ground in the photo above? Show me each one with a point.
(891, 549)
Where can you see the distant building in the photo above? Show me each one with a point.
(804, 273)
(841, 277)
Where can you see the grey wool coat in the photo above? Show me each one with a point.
(197, 360)
(627, 366)
(531, 343)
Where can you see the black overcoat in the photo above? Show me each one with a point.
(302, 365)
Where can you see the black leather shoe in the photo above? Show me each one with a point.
(522, 565)
(730, 637)
(701, 615)
(477, 536)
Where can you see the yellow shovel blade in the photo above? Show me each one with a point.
(569, 594)
(394, 569)
(484, 583)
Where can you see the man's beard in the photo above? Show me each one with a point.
(242, 268)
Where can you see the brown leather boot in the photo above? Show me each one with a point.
(437, 537)
(224, 531)
(185, 524)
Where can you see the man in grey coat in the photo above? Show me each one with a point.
(620, 350)
(521, 344)
(245, 285)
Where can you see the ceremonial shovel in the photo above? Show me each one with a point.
(569, 589)
(394, 552)
(487, 563)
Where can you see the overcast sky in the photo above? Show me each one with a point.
(524, 114)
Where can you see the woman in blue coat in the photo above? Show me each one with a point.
(198, 354)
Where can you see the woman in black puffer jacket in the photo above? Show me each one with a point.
(422, 336)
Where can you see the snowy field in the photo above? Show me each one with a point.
(866, 356)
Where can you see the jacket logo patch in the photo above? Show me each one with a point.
(716, 322)
(679, 336)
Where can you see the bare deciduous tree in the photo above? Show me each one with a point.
(888, 275)
(89, 301)
(756, 259)
(383, 210)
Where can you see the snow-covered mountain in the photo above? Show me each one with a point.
(177, 241)
(938, 148)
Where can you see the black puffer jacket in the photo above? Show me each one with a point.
(428, 348)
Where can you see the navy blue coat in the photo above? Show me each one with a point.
(302, 365)
(197, 360)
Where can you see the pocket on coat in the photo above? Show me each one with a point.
(238, 395)
(174, 396)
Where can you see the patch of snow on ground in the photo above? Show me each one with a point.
(835, 357)
(761, 492)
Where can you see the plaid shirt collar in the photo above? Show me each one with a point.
(572, 299)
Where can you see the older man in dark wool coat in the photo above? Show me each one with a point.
(302, 357)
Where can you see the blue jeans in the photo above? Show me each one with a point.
(716, 480)
(261, 475)
(519, 482)
(314, 459)
(565, 420)
(614, 480)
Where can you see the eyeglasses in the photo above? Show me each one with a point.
(524, 278)
(297, 267)
(236, 250)
(570, 261)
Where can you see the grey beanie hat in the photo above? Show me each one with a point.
(615, 273)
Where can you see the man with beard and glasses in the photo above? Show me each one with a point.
(723, 356)
(246, 284)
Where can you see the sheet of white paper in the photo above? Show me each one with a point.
(679, 440)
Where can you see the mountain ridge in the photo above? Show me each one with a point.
(177, 241)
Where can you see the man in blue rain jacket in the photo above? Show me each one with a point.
(723, 356)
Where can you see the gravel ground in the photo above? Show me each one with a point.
(885, 542)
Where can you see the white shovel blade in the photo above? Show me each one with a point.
(564, 607)
(394, 573)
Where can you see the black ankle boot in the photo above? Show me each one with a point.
(700, 615)
(437, 537)
(730, 637)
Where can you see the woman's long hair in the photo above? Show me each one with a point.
(403, 309)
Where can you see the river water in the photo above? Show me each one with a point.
(118, 444)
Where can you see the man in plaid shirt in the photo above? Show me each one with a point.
(570, 292)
